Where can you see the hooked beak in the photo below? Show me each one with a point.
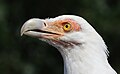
(38, 28)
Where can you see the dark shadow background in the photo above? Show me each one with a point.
(26, 55)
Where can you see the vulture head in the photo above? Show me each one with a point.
(82, 48)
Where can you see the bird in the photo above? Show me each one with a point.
(82, 48)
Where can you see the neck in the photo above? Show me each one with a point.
(83, 60)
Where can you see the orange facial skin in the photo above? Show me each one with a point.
(74, 25)
(58, 25)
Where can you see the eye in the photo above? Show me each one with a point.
(67, 27)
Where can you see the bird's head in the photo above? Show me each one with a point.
(87, 49)
(62, 31)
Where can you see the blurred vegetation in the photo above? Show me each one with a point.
(25, 55)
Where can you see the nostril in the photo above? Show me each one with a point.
(45, 24)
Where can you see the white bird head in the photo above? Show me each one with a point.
(64, 30)
(80, 45)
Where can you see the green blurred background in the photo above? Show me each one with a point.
(26, 55)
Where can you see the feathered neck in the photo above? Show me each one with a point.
(88, 58)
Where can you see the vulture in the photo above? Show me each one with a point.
(82, 48)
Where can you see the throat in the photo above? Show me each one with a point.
(81, 60)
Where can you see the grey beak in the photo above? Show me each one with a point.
(32, 24)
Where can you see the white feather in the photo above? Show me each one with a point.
(88, 58)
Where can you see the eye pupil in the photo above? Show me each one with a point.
(66, 26)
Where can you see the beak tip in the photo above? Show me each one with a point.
(21, 34)
(22, 31)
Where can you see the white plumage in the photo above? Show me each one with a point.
(83, 51)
